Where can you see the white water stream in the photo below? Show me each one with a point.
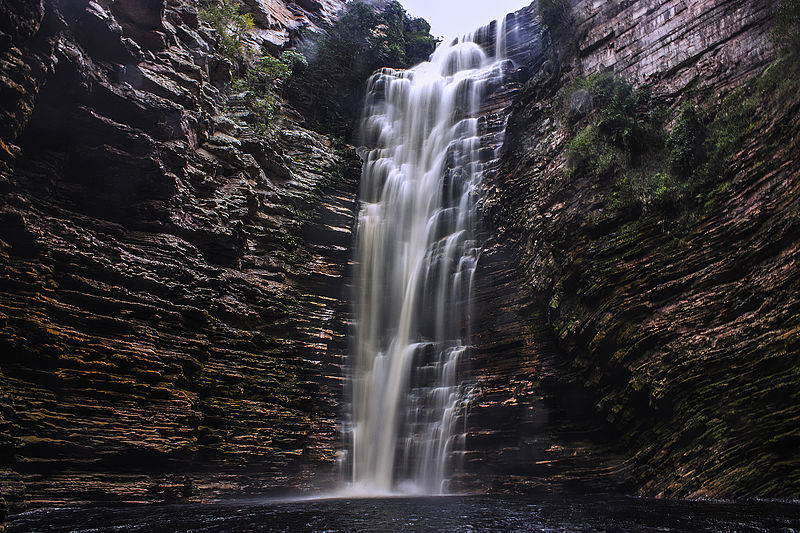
(416, 258)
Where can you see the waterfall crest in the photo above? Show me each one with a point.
(416, 258)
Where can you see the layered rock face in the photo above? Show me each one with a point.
(171, 286)
(627, 350)
(278, 24)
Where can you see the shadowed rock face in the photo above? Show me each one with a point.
(171, 286)
(635, 354)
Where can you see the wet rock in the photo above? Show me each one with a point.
(580, 103)
(149, 14)
(173, 317)
(626, 352)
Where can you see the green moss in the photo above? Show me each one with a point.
(786, 29)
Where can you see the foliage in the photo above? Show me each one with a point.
(230, 24)
(686, 142)
(258, 75)
(727, 126)
(621, 113)
(262, 75)
(620, 139)
(329, 93)
(646, 188)
(786, 29)
(616, 134)
(586, 152)
(260, 81)
(327, 88)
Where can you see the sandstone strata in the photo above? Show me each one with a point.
(280, 23)
(172, 285)
(627, 350)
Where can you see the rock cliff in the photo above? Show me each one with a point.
(649, 349)
(173, 287)
(172, 284)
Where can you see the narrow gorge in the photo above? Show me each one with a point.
(259, 247)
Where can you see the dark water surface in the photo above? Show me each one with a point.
(452, 513)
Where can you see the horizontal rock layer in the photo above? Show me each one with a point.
(675, 44)
(171, 285)
(634, 354)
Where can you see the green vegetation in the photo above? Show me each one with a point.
(620, 115)
(617, 132)
(618, 137)
(328, 87)
(257, 76)
(259, 82)
(685, 142)
(230, 24)
(786, 30)
(330, 92)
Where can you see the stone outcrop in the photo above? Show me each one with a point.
(279, 24)
(628, 351)
(171, 285)
(675, 45)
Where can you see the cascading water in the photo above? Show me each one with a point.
(416, 259)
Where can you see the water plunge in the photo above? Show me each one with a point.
(416, 258)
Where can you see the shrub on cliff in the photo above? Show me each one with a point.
(686, 142)
(786, 29)
(257, 75)
(229, 23)
(615, 133)
(330, 92)
(259, 82)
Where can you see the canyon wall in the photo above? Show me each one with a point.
(173, 287)
(171, 296)
(650, 349)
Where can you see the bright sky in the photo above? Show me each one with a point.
(452, 18)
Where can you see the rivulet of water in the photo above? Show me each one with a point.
(416, 258)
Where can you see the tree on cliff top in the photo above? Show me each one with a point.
(329, 93)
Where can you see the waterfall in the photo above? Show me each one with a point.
(416, 258)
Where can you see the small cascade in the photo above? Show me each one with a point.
(500, 40)
(416, 258)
